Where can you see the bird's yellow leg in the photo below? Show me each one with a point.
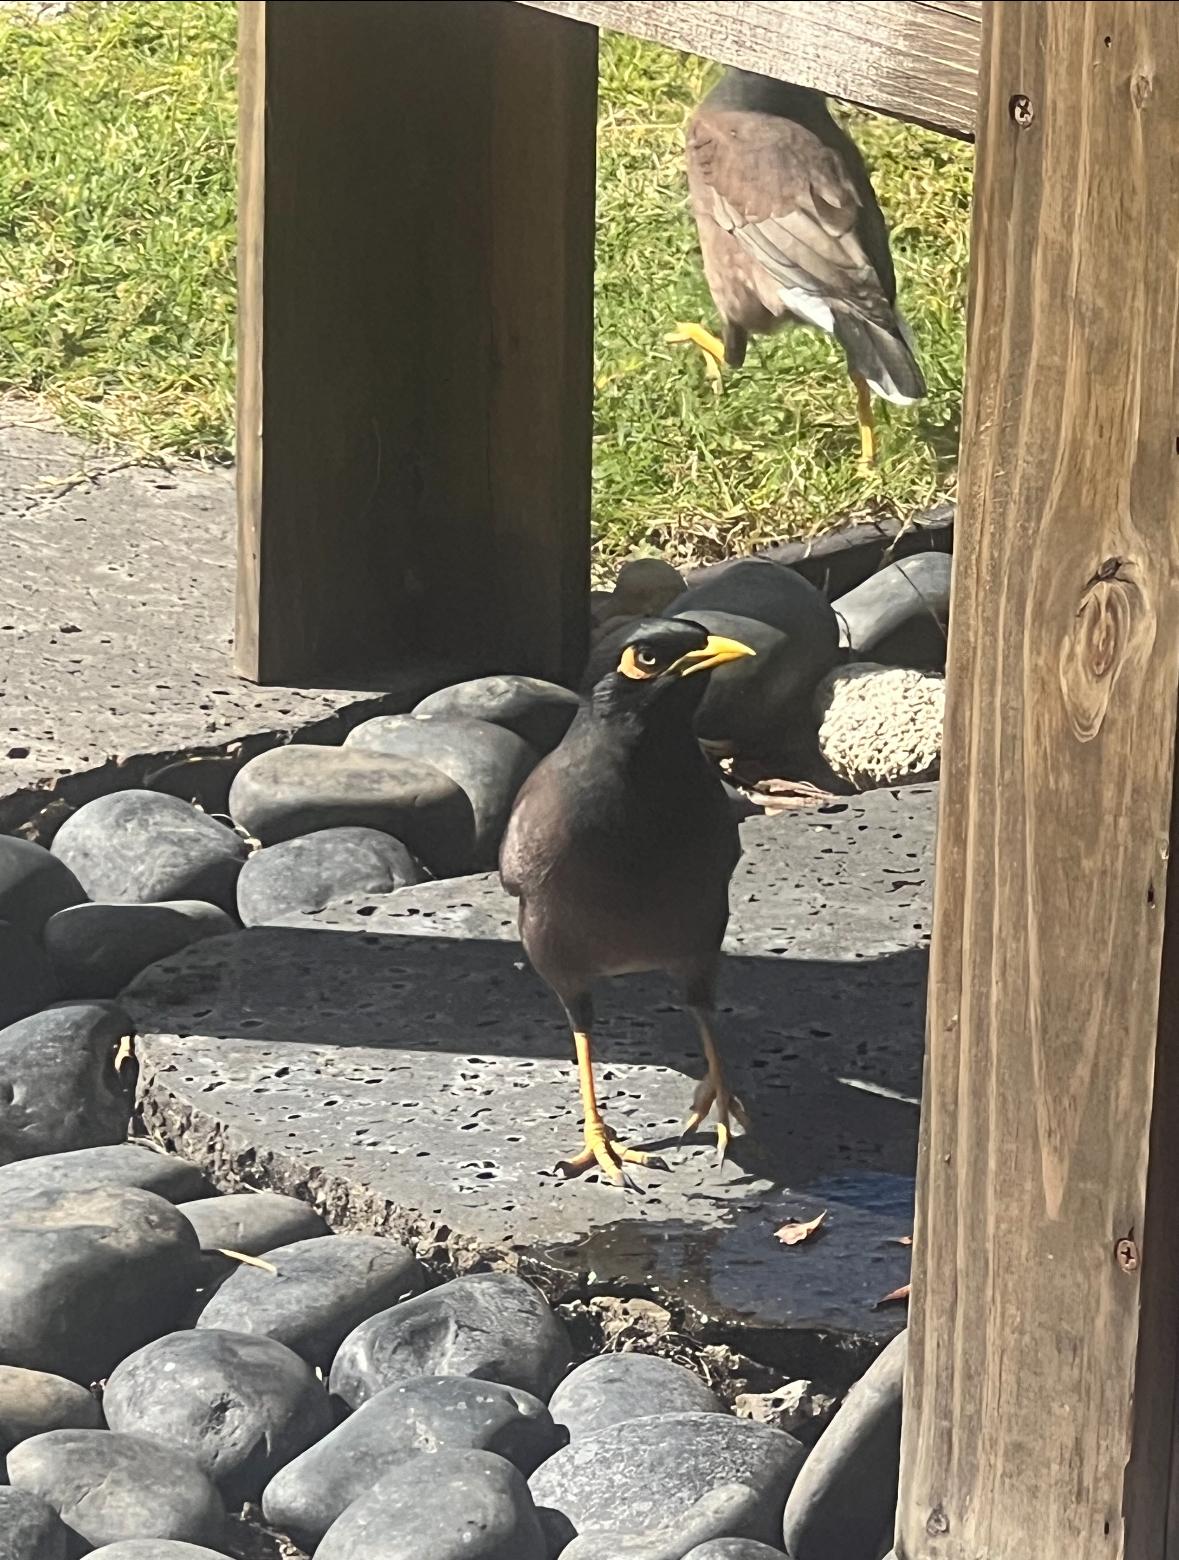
(713, 1089)
(602, 1148)
(711, 346)
(866, 420)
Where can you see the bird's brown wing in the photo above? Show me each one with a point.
(527, 836)
(786, 198)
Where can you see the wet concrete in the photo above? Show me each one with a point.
(396, 1060)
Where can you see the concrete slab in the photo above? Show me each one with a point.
(116, 621)
(396, 1060)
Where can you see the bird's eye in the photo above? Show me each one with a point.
(639, 662)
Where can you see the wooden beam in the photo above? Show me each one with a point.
(1040, 1393)
(912, 59)
(417, 197)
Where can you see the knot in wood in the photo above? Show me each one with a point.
(1021, 110)
(1113, 628)
(1140, 89)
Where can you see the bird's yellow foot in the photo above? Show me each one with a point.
(701, 336)
(602, 1148)
(711, 346)
(728, 1106)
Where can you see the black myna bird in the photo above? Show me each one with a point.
(791, 232)
(620, 848)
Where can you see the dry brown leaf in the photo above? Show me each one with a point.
(802, 789)
(780, 797)
(795, 1234)
(897, 1297)
(759, 783)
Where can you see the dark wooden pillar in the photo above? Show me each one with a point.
(415, 378)
(1041, 1384)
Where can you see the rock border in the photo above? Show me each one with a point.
(36, 812)
(736, 1358)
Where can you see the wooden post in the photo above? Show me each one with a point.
(415, 383)
(1040, 1397)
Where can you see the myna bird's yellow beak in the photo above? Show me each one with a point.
(715, 653)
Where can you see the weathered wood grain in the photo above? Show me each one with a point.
(417, 196)
(1041, 1382)
(907, 58)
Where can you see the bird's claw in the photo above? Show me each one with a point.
(727, 1105)
(603, 1149)
(722, 1142)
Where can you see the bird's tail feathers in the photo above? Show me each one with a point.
(736, 340)
(906, 331)
(884, 356)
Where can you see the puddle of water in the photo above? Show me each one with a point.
(873, 1191)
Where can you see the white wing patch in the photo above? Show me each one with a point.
(807, 306)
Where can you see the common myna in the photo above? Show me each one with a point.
(791, 232)
(620, 848)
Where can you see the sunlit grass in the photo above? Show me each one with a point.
(683, 471)
(117, 298)
(117, 220)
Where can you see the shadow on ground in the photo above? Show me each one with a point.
(436, 1074)
(791, 1030)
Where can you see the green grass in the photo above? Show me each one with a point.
(681, 471)
(117, 221)
(117, 284)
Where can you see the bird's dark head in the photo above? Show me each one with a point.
(745, 89)
(662, 666)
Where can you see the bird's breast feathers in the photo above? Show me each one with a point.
(558, 832)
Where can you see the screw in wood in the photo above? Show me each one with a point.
(1126, 1255)
(1021, 110)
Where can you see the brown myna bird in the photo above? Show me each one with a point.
(620, 848)
(791, 232)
